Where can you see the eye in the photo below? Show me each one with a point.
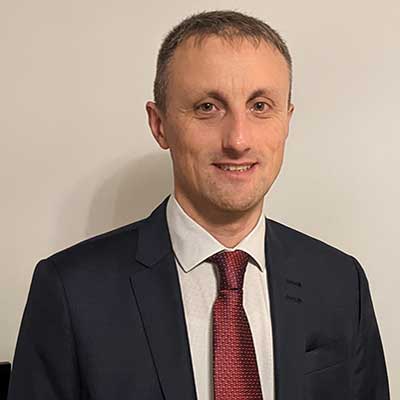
(260, 106)
(205, 107)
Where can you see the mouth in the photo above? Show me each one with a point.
(237, 170)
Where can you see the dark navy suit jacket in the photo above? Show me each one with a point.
(104, 320)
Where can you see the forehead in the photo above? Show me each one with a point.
(237, 64)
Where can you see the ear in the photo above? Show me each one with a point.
(290, 110)
(155, 120)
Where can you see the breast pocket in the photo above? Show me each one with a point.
(325, 356)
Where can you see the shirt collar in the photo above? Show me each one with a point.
(192, 244)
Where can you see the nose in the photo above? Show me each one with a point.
(236, 135)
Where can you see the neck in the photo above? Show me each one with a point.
(227, 226)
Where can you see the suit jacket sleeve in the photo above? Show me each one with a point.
(45, 363)
(370, 380)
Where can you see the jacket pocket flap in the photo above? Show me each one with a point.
(325, 356)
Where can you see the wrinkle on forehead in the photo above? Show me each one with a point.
(233, 41)
(238, 45)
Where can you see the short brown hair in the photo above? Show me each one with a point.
(226, 24)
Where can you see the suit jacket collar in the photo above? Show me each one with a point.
(158, 295)
(154, 242)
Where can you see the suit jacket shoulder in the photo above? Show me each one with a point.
(315, 257)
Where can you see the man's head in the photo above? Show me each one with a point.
(222, 98)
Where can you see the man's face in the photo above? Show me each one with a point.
(226, 106)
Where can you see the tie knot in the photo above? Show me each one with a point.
(231, 266)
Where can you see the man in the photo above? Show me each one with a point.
(206, 298)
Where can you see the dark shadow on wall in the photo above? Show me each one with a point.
(123, 193)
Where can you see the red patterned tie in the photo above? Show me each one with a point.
(235, 366)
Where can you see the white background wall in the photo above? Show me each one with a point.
(77, 157)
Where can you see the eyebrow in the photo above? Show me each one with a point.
(267, 92)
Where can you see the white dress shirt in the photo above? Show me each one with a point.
(192, 244)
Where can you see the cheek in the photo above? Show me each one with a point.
(189, 148)
(273, 145)
(191, 140)
(275, 136)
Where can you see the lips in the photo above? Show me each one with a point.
(236, 170)
(233, 166)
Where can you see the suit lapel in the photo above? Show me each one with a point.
(158, 295)
(286, 298)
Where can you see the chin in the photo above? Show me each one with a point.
(236, 204)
